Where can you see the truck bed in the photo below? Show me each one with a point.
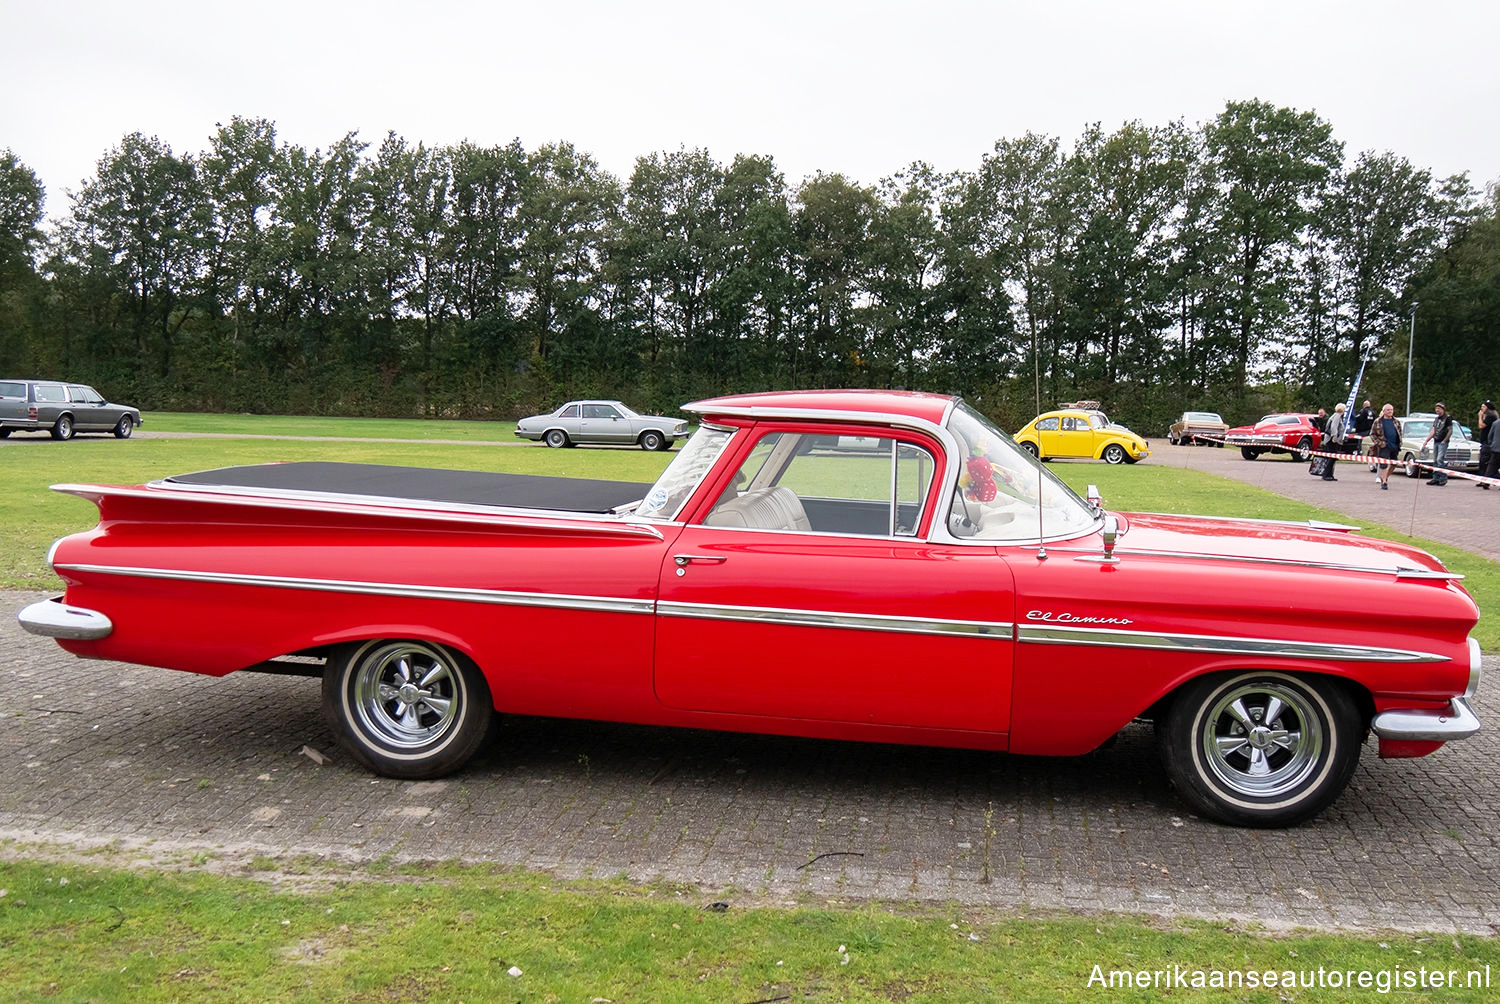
(518, 491)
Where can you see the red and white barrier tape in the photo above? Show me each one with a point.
(1361, 458)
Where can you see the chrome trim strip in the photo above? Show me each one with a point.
(560, 601)
(1285, 648)
(458, 512)
(998, 630)
(1425, 724)
(1398, 571)
(56, 619)
(1476, 669)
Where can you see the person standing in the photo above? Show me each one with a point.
(1442, 430)
(1385, 433)
(1487, 416)
(1364, 420)
(1333, 439)
(1492, 468)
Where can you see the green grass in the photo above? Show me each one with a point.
(91, 932)
(357, 428)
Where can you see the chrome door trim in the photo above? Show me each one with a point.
(1035, 634)
(788, 617)
(502, 597)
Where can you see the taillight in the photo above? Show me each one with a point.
(31, 412)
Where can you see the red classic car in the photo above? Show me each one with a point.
(1290, 433)
(943, 588)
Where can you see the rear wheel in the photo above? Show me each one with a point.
(406, 709)
(555, 438)
(1304, 449)
(124, 427)
(1260, 748)
(1031, 449)
(63, 428)
(651, 440)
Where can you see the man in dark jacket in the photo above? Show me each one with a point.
(1442, 431)
(1364, 421)
(1487, 416)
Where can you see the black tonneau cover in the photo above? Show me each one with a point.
(523, 491)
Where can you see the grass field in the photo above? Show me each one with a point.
(90, 932)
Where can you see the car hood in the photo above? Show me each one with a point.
(1268, 540)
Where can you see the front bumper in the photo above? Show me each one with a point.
(56, 619)
(1427, 725)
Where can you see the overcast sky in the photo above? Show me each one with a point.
(861, 88)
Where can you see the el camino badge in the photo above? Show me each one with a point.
(1067, 618)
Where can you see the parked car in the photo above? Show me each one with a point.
(63, 409)
(602, 422)
(1081, 433)
(1192, 425)
(1292, 433)
(946, 589)
(1463, 451)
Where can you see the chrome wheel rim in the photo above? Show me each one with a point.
(1262, 739)
(406, 695)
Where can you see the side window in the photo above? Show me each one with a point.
(51, 393)
(599, 411)
(1047, 425)
(84, 395)
(14, 390)
(1070, 425)
(571, 411)
(866, 486)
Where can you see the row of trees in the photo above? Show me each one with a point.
(1241, 265)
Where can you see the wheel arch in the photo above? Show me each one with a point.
(1360, 694)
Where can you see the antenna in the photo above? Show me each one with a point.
(1041, 533)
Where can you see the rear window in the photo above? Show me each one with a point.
(13, 390)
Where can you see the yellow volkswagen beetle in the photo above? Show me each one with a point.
(1084, 433)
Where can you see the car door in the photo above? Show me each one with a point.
(603, 423)
(1074, 438)
(807, 591)
(90, 410)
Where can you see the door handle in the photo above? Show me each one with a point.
(688, 559)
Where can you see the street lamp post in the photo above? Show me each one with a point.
(1411, 342)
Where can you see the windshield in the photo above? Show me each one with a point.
(999, 486)
(671, 491)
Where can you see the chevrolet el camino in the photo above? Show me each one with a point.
(943, 588)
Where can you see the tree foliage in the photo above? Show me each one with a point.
(1238, 265)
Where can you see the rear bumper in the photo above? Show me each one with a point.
(56, 619)
(1417, 724)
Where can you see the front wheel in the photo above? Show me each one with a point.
(406, 709)
(651, 441)
(1260, 748)
(1410, 466)
(1114, 453)
(124, 427)
(1249, 454)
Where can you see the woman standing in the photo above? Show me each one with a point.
(1386, 433)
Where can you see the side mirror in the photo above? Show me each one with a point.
(1111, 534)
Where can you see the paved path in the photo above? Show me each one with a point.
(1459, 513)
(170, 764)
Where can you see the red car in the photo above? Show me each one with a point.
(1290, 433)
(940, 588)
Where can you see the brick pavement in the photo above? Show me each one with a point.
(168, 764)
